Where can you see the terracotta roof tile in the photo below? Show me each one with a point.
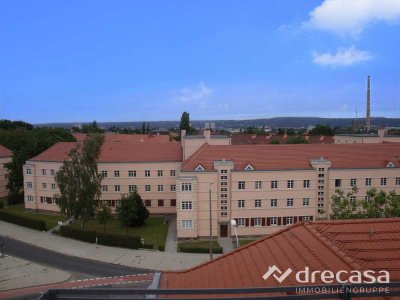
(5, 152)
(281, 157)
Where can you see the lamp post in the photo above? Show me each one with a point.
(211, 239)
(234, 225)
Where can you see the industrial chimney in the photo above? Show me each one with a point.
(368, 119)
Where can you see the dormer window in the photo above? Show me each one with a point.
(249, 168)
(390, 165)
(199, 168)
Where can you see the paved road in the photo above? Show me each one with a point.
(65, 262)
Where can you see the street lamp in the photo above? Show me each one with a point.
(211, 241)
(234, 225)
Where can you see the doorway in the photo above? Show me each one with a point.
(223, 230)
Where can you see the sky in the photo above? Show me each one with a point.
(78, 61)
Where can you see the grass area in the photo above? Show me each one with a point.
(50, 219)
(244, 242)
(198, 247)
(153, 232)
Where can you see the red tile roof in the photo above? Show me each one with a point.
(119, 152)
(115, 137)
(5, 152)
(254, 139)
(285, 157)
(320, 245)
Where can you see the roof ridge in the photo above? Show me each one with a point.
(333, 248)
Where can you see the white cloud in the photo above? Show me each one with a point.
(197, 94)
(350, 17)
(342, 58)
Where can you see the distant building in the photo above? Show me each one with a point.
(367, 138)
(259, 139)
(5, 157)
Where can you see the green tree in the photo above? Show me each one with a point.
(297, 140)
(342, 205)
(104, 215)
(322, 130)
(91, 128)
(274, 142)
(185, 122)
(131, 211)
(79, 181)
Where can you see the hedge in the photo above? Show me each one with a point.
(194, 249)
(103, 238)
(161, 247)
(22, 220)
(147, 246)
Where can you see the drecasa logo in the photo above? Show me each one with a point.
(327, 276)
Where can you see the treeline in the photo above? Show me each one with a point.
(26, 142)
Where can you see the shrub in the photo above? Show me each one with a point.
(118, 240)
(79, 234)
(1, 204)
(199, 249)
(161, 247)
(23, 221)
(147, 246)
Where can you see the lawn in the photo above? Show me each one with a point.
(153, 232)
(50, 219)
(244, 242)
(198, 246)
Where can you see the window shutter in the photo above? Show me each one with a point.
(295, 219)
(263, 222)
(268, 221)
(252, 221)
(284, 221)
(279, 221)
(247, 222)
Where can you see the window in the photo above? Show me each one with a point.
(241, 222)
(289, 220)
(160, 188)
(321, 181)
(53, 186)
(353, 182)
(306, 218)
(338, 182)
(187, 224)
(367, 198)
(160, 173)
(397, 180)
(6, 176)
(290, 184)
(224, 177)
(352, 199)
(104, 188)
(199, 168)
(306, 183)
(131, 173)
(29, 185)
(306, 202)
(224, 171)
(321, 175)
(289, 202)
(160, 202)
(173, 187)
(186, 187)
(257, 185)
(104, 174)
(274, 184)
(30, 198)
(28, 171)
(147, 188)
(116, 173)
(274, 221)
(257, 203)
(172, 173)
(224, 183)
(321, 170)
(383, 181)
(44, 185)
(52, 172)
(241, 185)
(224, 196)
(249, 168)
(147, 202)
(368, 181)
(257, 222)
(173, 202)
(147, 173)
(320, 187)
(117, 188)
(186, 205)
(224, 190)
(274, 202)
(44, 172)
(241, 203)
(132, 188)
(320, 205)
(53, 200)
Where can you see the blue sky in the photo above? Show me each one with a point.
(74, 61)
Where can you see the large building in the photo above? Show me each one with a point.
(5, 157)
(263, 187)
(367, 138)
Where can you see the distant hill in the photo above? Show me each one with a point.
(294, 122)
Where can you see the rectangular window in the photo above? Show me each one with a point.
(289, 220)
(53, 200)
(147, 173)
(352, 199)
(116, 173)
(131, 173)
(274, 221)
(289, 202)
(29, 185)
(290, 184)
(274, 202)
(321, 181)
(44, 185)
(383, 181)
(320, 204)
(241, 203)
(132, 188)
(172, 173)
(224, 195)
(257, 222)
(186, 187)
(224, 177)
(306, 183)
(104, 188)
(257, 203)
(173, 202)
(160, 188)
(147, 188)
(224, 171)
(52, 172)
(241, 185)
(187, 224)
(147, 203)
(117, 188)
(53, 186)
(30, 198)
(306, 202)
(224, 190)
(224, 183)
(257, 185)
(367, 198)
(104, 174)
(186, 205)
(28, 171)
(397, 180)
(306, 218)
(368, 181)
(241, 222)
(160, 202)
(173, 187)
(321, 170)
(160, 173)
(44, 172)
(274, 184)
(353, 182)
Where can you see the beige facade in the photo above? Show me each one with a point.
(379, 138)
(4, 176)
(192, 143)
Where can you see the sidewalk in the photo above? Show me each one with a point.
(171, 243)
(146, 259)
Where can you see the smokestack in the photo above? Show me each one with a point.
(368, 119)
